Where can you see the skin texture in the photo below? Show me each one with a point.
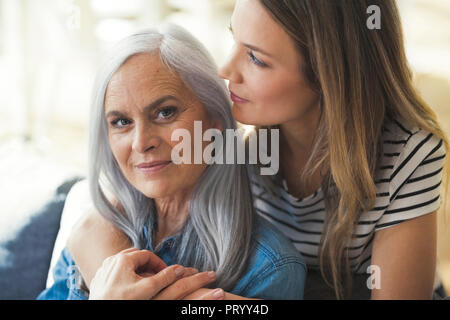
(264, 69)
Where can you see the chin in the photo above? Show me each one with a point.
(251, 116)
(240, 117)
(154, 191)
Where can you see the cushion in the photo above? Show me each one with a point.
(25, 258)
(77, 203)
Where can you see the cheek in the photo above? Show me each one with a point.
(121, 149)
(267, 88)
(275, 99)
(189, 173)
(286, 93)
(276, 86)
(271, 91)
(195, 132)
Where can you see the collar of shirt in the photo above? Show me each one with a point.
(166, 249)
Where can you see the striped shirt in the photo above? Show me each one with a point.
(407, 181)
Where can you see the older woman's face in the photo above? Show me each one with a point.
(144, 104)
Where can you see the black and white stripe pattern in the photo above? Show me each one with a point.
(407, 181)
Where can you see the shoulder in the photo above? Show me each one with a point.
(409, 174)
(275, 270)
(78, 216)
(92, 227)
(271, 245)
(405, 142)
(406, 149)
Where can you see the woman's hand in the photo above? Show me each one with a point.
(141, 275)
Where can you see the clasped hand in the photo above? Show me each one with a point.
(134, 274)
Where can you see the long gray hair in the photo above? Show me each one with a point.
(217, 233)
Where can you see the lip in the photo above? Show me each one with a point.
(237, 99)
(153, 166)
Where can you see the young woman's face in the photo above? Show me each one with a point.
(144, 104)
(265, 81)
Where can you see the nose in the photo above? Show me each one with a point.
(145, 139)
(230, 71)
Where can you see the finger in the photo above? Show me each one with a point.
(145, 274)
(128, 250)
(189, 272)
(153, 285)
(206, 294)
(186, 286)
(146, 261)
(217, 294)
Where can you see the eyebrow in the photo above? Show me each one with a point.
(251, 47)
(146, 109)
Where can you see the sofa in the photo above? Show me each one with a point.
(26, 258)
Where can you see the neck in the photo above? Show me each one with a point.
(296, 145)
(297, 135)
(172, 212)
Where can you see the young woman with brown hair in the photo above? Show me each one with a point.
(361, 154)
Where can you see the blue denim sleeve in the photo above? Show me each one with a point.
(66, 278)
(283, 281)
(275, 269)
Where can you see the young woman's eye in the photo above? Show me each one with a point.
(167, 112)
(256, 60)
(120, 123)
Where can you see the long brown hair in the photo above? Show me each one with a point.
(363, 78)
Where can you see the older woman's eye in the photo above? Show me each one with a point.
(120, 123)
(167, 112)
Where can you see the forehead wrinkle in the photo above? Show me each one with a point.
(128, 98)
(144, 79)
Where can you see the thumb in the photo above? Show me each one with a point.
(145, 261)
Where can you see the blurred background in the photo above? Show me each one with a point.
(49, 53)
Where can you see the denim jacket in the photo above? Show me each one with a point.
(275, 269)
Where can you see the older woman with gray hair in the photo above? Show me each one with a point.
(190, 225)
